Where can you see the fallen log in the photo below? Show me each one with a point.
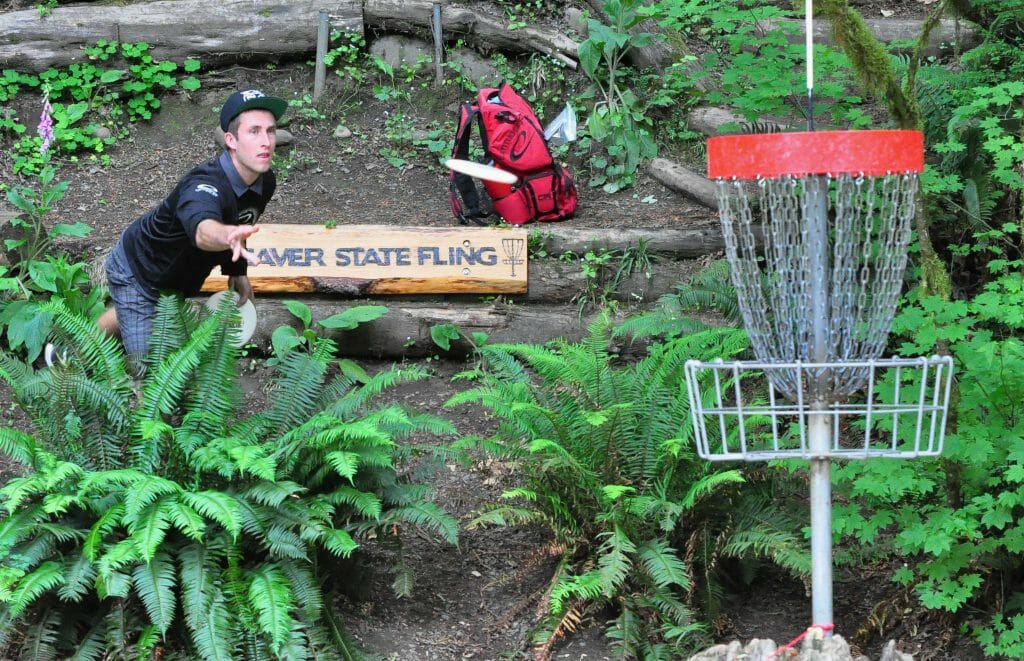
(404, 332)
(483, 31)
(218, 33)
(242, 30)
(703, 238)
(684, 181)
(709, 120)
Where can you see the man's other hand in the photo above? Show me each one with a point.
(240, 284)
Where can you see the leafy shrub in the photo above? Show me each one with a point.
(86, 95)
(37, 273)
(161, 519)
(640, 524)
(617, 121)
(953, 520)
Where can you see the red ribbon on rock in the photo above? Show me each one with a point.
(791, 644)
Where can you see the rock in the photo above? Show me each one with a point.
(576, 20)
(475, 67)
(342, 132)
(101, 132)
(890, 653)
(397, 50)
(814, 647)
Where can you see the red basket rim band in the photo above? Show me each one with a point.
(770, 155)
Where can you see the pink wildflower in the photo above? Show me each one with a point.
(46, 125)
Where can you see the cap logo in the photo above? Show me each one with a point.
(249, 95)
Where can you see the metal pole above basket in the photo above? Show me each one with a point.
(816, 228)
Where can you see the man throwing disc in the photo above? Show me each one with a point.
(203, 223)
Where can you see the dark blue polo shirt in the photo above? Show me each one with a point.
(161, 243)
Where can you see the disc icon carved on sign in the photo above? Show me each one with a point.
(513, 249)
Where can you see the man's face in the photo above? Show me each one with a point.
(253, 147)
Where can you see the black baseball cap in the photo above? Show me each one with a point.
(239, 102)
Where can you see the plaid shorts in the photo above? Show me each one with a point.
(135, 305)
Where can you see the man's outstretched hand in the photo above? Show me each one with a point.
(236, 243)
(214, 236)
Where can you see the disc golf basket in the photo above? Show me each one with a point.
(816, 228)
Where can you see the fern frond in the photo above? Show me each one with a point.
(42, 579)
(149, 528)
(91, 647)
(203, 604)
(504, 516)
(707, 484)
(19, 489)
(365, 504)
(144, 492)
(764, 530)
(428, 515)
(357, 399)
(214, 391)
(165, 382)
(271, 598)
(305, 589)
(295, 396)
(170, 329)
(186, 519)
(40, 638)
(283, 543)
(614, 561)
(147, 642)
(272, 494)
(662, 564)
(216, 505)
(344, 646)
(214, 637)
(79, 573)
(338, 542)
(19, 446)
(155, 584)
(585, 587)
(98, 353)
(120, 555)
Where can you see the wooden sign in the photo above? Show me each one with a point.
(382, 259)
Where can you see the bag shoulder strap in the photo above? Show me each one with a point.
(463, 192)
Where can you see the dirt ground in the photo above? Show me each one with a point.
(474, 601)
(320, 178)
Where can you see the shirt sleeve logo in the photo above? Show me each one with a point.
(208, 189)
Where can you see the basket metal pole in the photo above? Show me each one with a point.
(819, 430)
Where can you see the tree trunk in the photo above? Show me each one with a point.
(484, 31)
(243, 30)
(887, 30)
(218, 33)
(685, 181)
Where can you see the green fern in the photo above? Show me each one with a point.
(610, 470)
(160, 514)
(709, 291)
